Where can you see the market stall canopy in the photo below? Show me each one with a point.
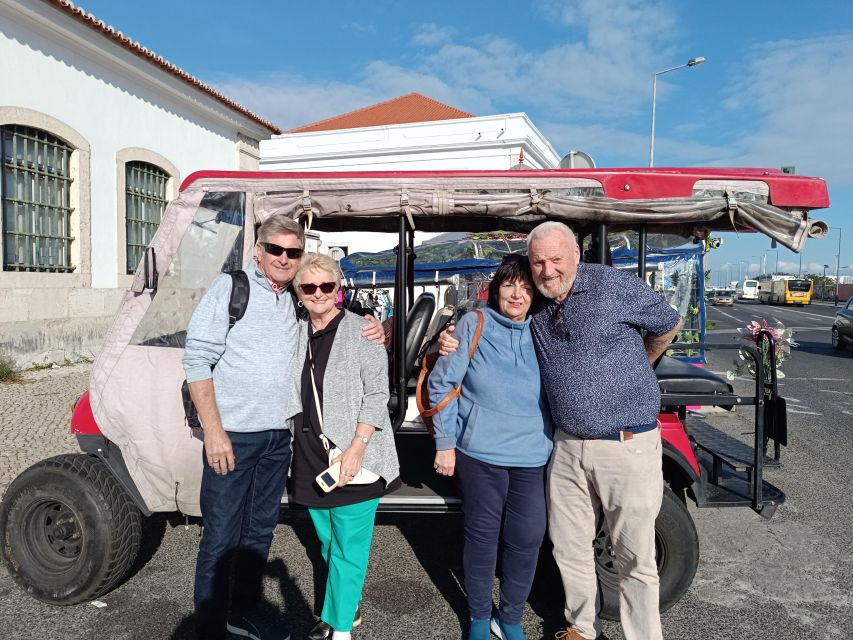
(685, 202)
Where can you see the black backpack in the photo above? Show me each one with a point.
(236, 310)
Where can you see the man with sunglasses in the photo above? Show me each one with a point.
(596, 339)
(240, 375)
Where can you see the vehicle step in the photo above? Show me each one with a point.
(734, 488)
(731, 451)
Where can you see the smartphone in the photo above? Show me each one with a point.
(328, 479)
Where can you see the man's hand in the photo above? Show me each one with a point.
(445, 462)
(657, 345)
(373, 329)
(217, 447)
(217, 444)
(447, 344)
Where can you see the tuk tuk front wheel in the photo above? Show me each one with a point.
(69, 531)
(677, 555)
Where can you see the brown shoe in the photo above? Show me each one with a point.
(569, 633)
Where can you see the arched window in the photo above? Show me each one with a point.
(145, 198)
(35, 191)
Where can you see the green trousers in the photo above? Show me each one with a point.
(345, 535)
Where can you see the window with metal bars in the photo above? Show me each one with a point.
(145, 193)
(36, 200)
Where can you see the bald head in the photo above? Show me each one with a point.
(554, 257)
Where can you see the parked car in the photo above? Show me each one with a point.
(842, 327)
(724, 297)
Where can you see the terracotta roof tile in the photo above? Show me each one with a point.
(134, 47)
(412, 107)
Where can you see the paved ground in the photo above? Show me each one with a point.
(787, 578)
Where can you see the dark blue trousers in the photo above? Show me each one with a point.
(240, 511)
(501, 505)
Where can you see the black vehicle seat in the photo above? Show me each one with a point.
(675, 376)
(417, 322)
(438, 324)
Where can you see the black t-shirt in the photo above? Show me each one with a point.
(309, 456)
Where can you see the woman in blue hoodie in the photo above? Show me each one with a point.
(496, 437)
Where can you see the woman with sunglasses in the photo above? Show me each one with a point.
(344, 400)
(496, 437)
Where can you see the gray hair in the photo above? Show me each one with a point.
(318, 262)
(546, 228)
(280, 223)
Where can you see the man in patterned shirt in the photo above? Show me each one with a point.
(596, 339)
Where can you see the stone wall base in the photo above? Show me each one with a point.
(41, 326)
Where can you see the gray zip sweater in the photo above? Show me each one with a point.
(260, 348)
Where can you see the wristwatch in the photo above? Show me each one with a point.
(364, 439)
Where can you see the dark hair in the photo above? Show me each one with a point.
(512, 268)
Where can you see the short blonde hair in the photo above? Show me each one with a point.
(318, 262)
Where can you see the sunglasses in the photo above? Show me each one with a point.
(275, 250)
(311, 289)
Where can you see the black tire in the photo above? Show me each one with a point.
(677, 556)
(69, 531)
(837, 343)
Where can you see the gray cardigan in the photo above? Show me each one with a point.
(355, 389)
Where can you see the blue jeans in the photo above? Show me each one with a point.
(500, 504)
(240, 511)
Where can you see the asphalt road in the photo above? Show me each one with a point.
(787, 578)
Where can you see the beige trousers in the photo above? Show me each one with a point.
(624, 481)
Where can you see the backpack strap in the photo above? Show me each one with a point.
(239, 297)
(456, 391)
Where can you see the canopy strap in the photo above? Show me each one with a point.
(405, 208)
(306, 207)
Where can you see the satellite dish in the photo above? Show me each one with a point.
(577, 160)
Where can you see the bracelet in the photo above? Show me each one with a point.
(363, 439)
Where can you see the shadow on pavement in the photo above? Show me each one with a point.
(439, 551)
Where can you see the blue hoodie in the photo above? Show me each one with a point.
(502, 416)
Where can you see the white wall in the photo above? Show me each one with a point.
(483, 143)
(55, 69)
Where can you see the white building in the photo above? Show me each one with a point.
(97, 133)
(409, 133)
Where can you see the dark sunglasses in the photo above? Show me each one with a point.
(311, 289)
(275, 250)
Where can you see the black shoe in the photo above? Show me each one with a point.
(323, 631)
(255, 626)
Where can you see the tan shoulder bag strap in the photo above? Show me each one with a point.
(453, 393)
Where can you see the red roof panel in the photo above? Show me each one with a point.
(412, 107)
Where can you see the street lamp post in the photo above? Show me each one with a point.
(837, 263)
(759, 264)
(776, 270)
(693, 62)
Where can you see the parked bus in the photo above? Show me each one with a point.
(785, 290)
(748, 290)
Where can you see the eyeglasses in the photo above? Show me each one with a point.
(311, 289)
(560, 322)
(275, 250)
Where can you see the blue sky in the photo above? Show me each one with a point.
(777, 87)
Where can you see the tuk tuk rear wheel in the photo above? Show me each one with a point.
(677, 551)
(69, 531)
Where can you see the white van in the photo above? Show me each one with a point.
(749, 290)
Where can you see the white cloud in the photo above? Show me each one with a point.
(432, 35)
(361, 27)
(801, 93)
(291, 101)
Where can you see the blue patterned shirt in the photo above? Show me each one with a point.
(591, 353)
